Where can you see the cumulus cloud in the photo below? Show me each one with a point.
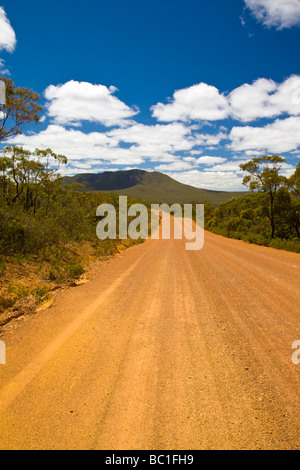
(8, 39)
(74, 102)
(198, 102)
(283, 135)
(208, 160)
(226, 176)
(262, 99)
(231, 166)
(214, 180)
(168, 144)
(265, 99)
(132, 145)
(77, 145)
(210, 140)
(179, 165)
(249, 102)
(276, 13)
(190, 163)
(156, 141)
(177, 147)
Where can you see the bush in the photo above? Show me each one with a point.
(74, 269)
(245, 219)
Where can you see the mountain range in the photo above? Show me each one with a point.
(151, 186)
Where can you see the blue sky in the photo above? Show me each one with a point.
(189, 88)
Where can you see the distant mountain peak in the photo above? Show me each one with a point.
(152, 186)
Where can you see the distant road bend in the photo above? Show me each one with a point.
(163, 349)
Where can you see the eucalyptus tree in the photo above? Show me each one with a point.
(264, 176)
(19, 108)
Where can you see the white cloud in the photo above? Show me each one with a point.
(249, 102)
(8, 39)
(214, 180)
(251, 153)
(175, 166)
(74, 102)
(191, 159)
(77, 145)
(262, 99)
(198, 102)
(157, 143)
(3, 69)
(189, 163)
(71, 171)
(265, 99)
(283, 135)
(179, 148)
(207, 160)
(131, 146)
(119, 146)
(231, 166)
(234, 166)
(209, 140)
(278, 13)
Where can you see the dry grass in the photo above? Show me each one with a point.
(26, 285)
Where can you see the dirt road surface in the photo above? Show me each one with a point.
(163, 349)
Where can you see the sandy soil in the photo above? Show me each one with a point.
(162, 349)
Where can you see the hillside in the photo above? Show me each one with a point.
(152, 186)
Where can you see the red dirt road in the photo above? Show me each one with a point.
(163, 349)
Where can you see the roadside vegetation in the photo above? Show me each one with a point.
(48, 229)
(269, 215)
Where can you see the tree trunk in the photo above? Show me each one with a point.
(272, 218)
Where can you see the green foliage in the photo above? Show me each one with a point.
(41, 293)
(42, 220)
(75, 269)
(18, 294)
(19, 290)
(21, 108)
(2, 266)
(247, 219)
(65, 269)
(29, 179)
(273, 203)
(264, 176)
